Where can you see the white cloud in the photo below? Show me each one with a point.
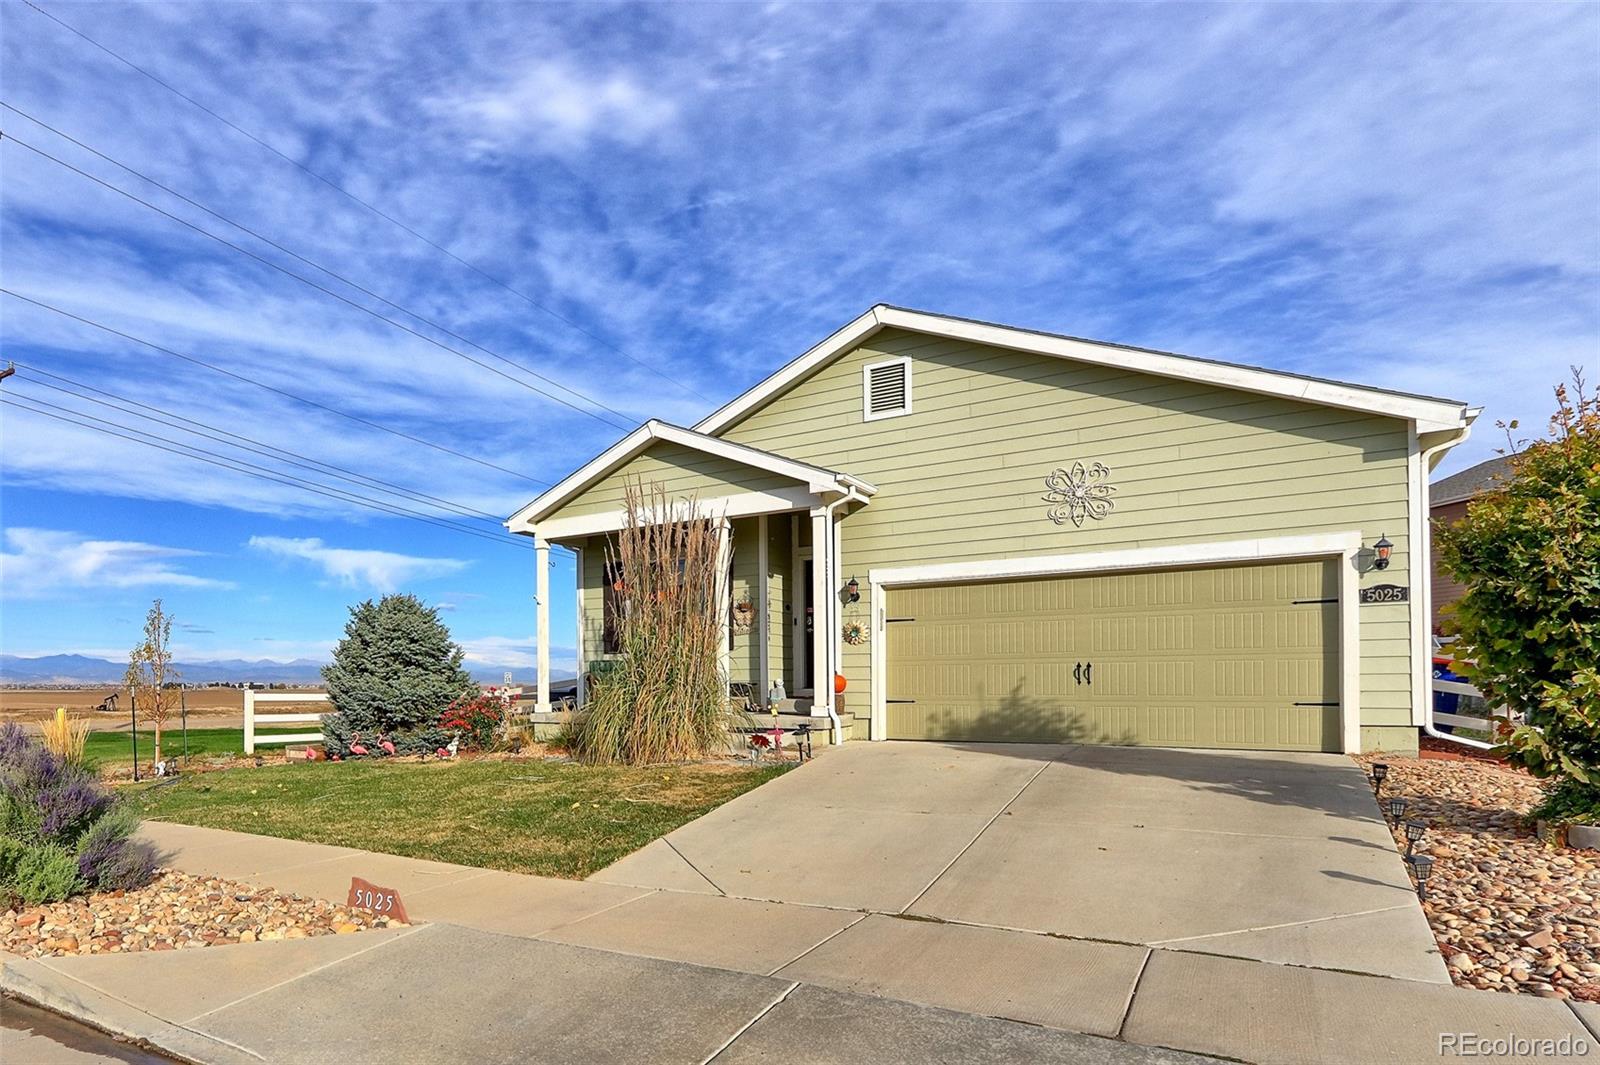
(383, 571)
(514, 652)
(552, 105)
(41, 561)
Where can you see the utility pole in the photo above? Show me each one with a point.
(10, 369)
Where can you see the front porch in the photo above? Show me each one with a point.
(778, 526)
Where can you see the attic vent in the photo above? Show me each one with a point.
(886, 388)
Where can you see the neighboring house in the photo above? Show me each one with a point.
(1448, 499)
(1052, 539)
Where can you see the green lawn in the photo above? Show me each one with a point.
(116, 748)
(549, 818)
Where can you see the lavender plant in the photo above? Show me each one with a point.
(61, 830)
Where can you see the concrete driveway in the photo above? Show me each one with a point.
(1268, 856)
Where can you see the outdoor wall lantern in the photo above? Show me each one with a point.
(1381, 552)
(1379, 771)
(1421, 867)
(852, 591)
(1414, 831)
(1397, 808)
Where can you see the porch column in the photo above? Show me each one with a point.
(763, 612)
(821, 612)
(577, 608)
(541, 594)
(724, 601)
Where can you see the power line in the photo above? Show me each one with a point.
(241, 227)
(364, 203)
(241, 466)
(224, 436)
(263, 260)
(271, 388)
(237, 465)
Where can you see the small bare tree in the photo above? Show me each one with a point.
(150, 670)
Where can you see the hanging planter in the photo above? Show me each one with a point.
(854, 633)
(744, 617)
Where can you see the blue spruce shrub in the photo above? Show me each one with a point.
(393, 674)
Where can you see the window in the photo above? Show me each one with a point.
(613, 603)
(886, 389)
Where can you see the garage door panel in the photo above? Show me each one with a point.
(1202, 657)
(1011, 717)
(1111, 635)
(1170, 632)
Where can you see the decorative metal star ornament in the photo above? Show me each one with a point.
(1078, 493)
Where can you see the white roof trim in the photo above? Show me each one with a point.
(815, 478)
(741, 505)
(1430, 414)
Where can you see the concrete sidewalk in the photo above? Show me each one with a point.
(443, 993)
(527, 968)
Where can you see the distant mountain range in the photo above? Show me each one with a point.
(81, 669)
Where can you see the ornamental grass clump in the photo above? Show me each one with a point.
(664, 699)
(61, 831)
(66, 737)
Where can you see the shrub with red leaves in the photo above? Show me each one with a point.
(475, 720)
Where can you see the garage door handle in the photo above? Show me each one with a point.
(1088, 674)
(899, 700)
(1077, 673)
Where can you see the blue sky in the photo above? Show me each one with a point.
(1406, 196)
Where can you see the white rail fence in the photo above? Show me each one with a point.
(251, 718)
(1486, 718)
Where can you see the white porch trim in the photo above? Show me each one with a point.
(541, 591)
(821, 674)
(814, 478)
(742, 505)
(1344, 545)
(723, 599)
(763, 614)
(577, 610)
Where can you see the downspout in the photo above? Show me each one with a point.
(830, 606)
(1426, 566)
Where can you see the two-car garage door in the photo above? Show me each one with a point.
(1234, 656)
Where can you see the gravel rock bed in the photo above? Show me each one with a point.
(1509, 913)
(176, 911)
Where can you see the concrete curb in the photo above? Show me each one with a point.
(42, 986)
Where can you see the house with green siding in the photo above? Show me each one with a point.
(973, 532)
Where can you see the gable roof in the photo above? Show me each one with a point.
(815, 478)
(1469, 482)
(1429, 412)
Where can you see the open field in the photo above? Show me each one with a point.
(208, 707)
(524, 816)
